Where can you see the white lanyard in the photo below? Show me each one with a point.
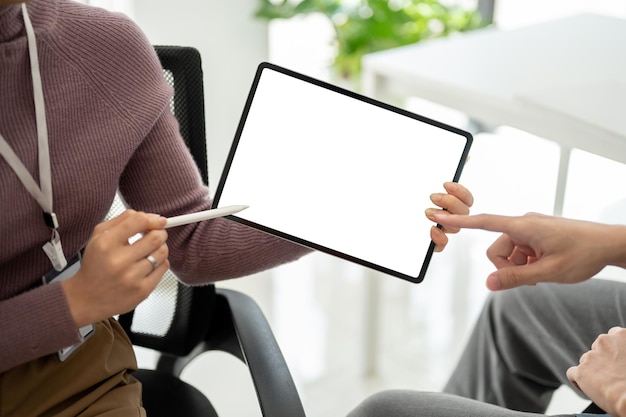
(43, 195)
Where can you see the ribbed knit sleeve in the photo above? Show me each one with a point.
(29, 328)
(162, 178)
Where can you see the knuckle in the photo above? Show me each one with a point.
(463, 209)
(451, 230)
(100, 244)
(463, 194)
(136, 217)
(530, 213)
(128, 213)
(154, 239)
(603, 339)
(117, 264)
(100, 228)
(585, 358)
(142, 220)
(448, 200)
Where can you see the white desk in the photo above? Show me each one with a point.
(563, 80)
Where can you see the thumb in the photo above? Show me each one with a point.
(513, 276)
(572, 375)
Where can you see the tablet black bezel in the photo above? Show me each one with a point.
(231, 155)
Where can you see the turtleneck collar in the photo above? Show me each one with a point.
(42, 13)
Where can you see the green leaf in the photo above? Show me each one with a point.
(366, 26)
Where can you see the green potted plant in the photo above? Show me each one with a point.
(364, 26)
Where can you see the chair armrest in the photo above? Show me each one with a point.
(593, 409)
(276, 391)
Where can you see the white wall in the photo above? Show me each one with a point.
(232, 43)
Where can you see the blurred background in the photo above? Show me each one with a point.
(345, 331)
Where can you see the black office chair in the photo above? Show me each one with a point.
(181, 322)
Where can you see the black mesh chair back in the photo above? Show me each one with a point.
(181, 322)
(172, 320)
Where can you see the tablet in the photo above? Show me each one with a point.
(339, 172)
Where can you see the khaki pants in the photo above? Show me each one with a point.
(93, 381)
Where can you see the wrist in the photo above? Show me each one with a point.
(75, 303)
(616, 252)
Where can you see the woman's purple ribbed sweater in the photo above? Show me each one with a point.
(110, 129)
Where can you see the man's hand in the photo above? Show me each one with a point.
(537, 248)
(600, 374)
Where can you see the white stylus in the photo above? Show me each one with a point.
(203, 215)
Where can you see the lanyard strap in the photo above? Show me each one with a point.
(41, 193)
(45, 175)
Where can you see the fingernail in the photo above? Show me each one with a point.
(450, 185)
(436, 197)
(430, 213)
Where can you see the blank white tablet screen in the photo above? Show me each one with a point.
(338, 172)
